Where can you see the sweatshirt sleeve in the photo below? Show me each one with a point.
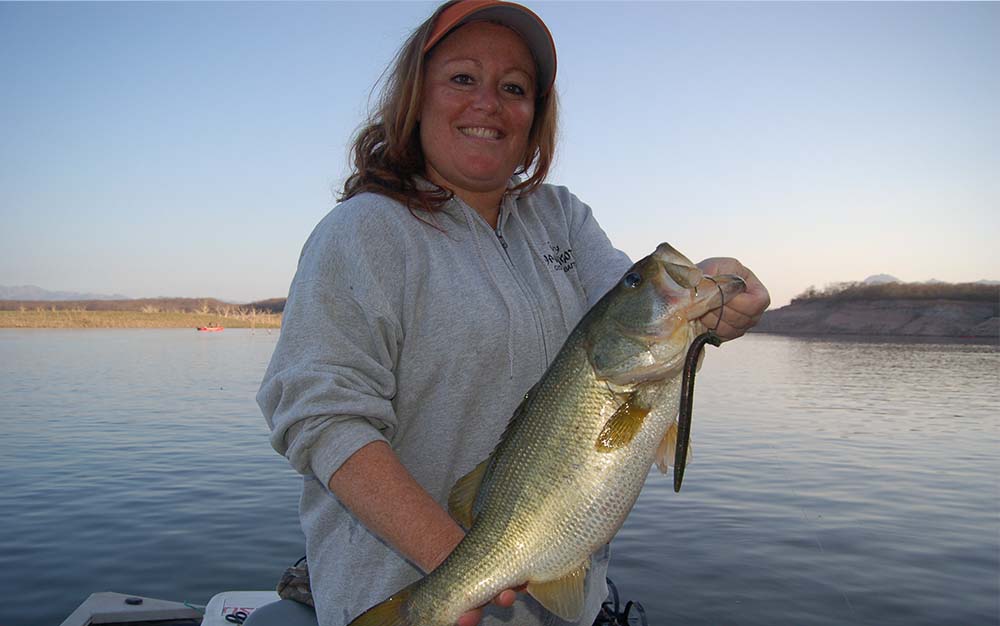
(599, 263)
(329, 386)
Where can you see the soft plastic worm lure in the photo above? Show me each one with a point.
(687, 401)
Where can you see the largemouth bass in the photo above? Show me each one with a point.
(574, 457)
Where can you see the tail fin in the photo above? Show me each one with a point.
(391, 612)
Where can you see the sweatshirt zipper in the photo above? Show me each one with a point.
(503, 242)
(498, 231)
(528, 295)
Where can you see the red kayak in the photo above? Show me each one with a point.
(210, 329)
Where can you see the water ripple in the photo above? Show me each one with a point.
(849, 482)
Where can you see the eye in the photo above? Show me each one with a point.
(462, 79)
(514, 88)
(632, 280)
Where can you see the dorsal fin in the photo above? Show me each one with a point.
(463, 495)
(465, 491)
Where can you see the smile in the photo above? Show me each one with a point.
(481, 132)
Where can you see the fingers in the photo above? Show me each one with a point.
(742, 312)
(506, 598)
(471, 618)
(738, 315)
(733, 324)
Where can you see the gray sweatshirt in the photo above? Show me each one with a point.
(426, 337)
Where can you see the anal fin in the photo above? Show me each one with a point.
(564, 596)
(667, 449)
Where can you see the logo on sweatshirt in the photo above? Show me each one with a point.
(559, 258)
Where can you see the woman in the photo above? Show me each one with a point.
(430, 300)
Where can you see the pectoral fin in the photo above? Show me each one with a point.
(668, 449)
(463, 495)
(563, 597)
(622, 427)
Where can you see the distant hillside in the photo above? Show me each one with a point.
(983, 291)
(33, 293)
(921, 309)
(145, 305)
(879, 279)
(271, 305)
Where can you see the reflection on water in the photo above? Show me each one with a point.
(137, 461)
(834, 481)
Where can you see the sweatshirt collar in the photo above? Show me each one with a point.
(454, 207)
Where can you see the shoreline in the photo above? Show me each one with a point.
(67, 318)
(876, 337)
(885, 317)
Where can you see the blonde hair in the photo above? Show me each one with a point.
(387, 153)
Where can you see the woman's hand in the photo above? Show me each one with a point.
(743, 311)
(505, 599)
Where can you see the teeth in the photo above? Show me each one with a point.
(482, 133)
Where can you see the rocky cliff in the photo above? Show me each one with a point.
(896, 316)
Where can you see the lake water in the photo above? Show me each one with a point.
(834, 481)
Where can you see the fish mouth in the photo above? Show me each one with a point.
(706, 292)
(678, 267)
(644, 332)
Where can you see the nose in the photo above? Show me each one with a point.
(486, 100)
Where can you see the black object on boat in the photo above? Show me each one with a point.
(612, 613)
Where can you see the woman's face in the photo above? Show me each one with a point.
(477, 105)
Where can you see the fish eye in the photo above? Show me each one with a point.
(632, 280)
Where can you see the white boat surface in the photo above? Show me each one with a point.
(232, 607)
(108, 607)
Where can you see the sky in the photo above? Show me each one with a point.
(188, 149)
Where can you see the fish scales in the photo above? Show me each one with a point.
(573, 492)
(574, 457)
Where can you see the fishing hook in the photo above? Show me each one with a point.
(687, 392)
